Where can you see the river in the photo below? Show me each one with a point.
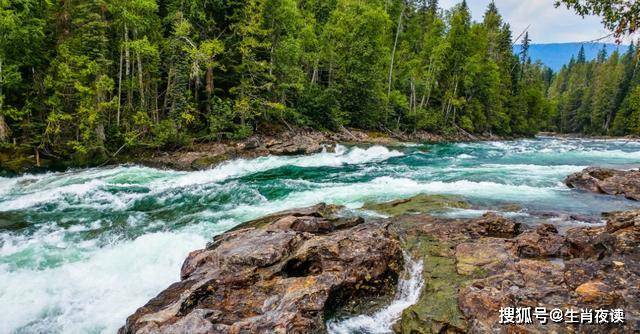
(81, 250)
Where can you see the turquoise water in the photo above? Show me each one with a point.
(81, 250)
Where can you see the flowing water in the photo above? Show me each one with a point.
(81, 250)
(381, 322)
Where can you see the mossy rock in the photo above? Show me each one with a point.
(419, 204)
(437, 308)
(209, 161)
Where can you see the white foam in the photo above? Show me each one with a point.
(241, 167)
(381, 322)
(97, 294)
(89, 186)
(385, 188)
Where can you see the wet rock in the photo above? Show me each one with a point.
(621, 220)
(419, 204)
(289, 272)
(588, 268)
(280, 274)
(209, 161)
(607, 181)
(621, 234)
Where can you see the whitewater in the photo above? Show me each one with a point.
(80, 250)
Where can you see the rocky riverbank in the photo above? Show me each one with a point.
(298, 142)
(290, 272)
(198, 156)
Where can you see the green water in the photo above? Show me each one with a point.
(81, 250)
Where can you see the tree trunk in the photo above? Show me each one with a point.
(168, 91)
(395, 44)
(4, 128)
(120, 87)
(141, 82)
(127, 56)
(209, 87)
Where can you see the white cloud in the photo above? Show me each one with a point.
(547, 23)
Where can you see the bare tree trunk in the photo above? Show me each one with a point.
(4, 128)
(209, 87)
(120, 87)
(168, 91)
(395, 44)
(426, 95)
(314, 76)
(127, 56)
(155, 103)
(143, 102)
(412, 96)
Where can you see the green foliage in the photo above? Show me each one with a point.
(597, 97)
(88, 78)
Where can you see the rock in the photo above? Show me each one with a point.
(290, 272)
(478, 257)
(607, 181)
(596, 292)
(209, 161)
(622, 220)
(589, 268)
(419, 204)
(298, 145)
(493, 225)
(544, 241)
(279, 274)
(250, 144)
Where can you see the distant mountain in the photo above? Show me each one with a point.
(556, 55)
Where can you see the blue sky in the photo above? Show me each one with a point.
(548, 24)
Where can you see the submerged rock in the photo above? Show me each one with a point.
(419, 204)
(607, 181)
(279, 274)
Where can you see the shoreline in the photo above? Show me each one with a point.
(205, 155)
(199, 156)
(585, 136)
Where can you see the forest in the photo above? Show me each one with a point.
(85, 79)
(600, 97)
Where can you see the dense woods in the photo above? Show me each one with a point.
(600, 97)
(89, 78)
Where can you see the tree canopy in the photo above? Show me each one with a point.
(85, 79)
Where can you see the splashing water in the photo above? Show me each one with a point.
(81, 250)
(409, 289)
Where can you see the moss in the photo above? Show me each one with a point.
(437, 309)
(419, 204)
(209, 161)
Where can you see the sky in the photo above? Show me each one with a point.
(548, 24)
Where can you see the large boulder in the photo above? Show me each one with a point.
(607, 181)
(279, 274)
